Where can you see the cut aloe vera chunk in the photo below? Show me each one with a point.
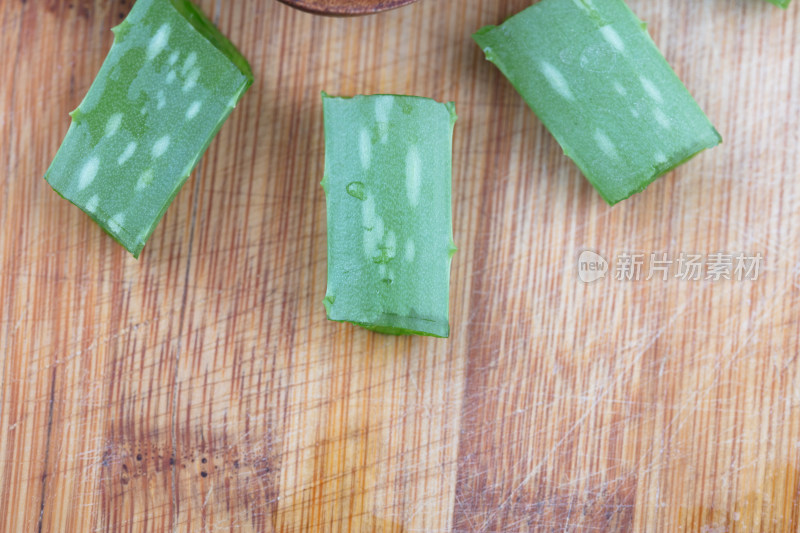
(165, 89)
(592, 74)
(388, 170)
(782, 3)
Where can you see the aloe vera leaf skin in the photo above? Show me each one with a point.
(592, 74)
(781, 3)
(388, 171)
(165, 89)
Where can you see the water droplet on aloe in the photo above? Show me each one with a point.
(356, 189)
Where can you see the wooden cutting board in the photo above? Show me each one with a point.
(201, 388)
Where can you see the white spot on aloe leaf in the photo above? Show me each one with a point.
(620, 88)
(191, 81)
(191, 59)
(605, 144)
(585, 4)
(91, 205)
(173, 58)
(651, 89)
(162, 100)
(88, 173)
(127, 154)
(410, 251)
(171, 76)
(382, 271)
(613, 38)
(161, 146)
(368, 214)
(365, 148)
(557, 81)
(158, 42)
(660, 158)
(115, 223)
(662, 119)
(113, 124)
(145, 179)
(193, 110)
(383, 107)
(413, 175)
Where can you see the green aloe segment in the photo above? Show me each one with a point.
(592, 74)
(782, 3)
(388, 169)
(165, 89)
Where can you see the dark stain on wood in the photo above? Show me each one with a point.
(136, 474)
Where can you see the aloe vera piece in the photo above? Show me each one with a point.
(782, 3)
(388, 170)
(592, 74)
(164, 91)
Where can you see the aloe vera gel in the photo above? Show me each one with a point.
(165, 89)
(592, 74)
(388, 168)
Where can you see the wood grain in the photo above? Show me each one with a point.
(201, 387)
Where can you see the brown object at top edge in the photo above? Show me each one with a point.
(346, 8)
